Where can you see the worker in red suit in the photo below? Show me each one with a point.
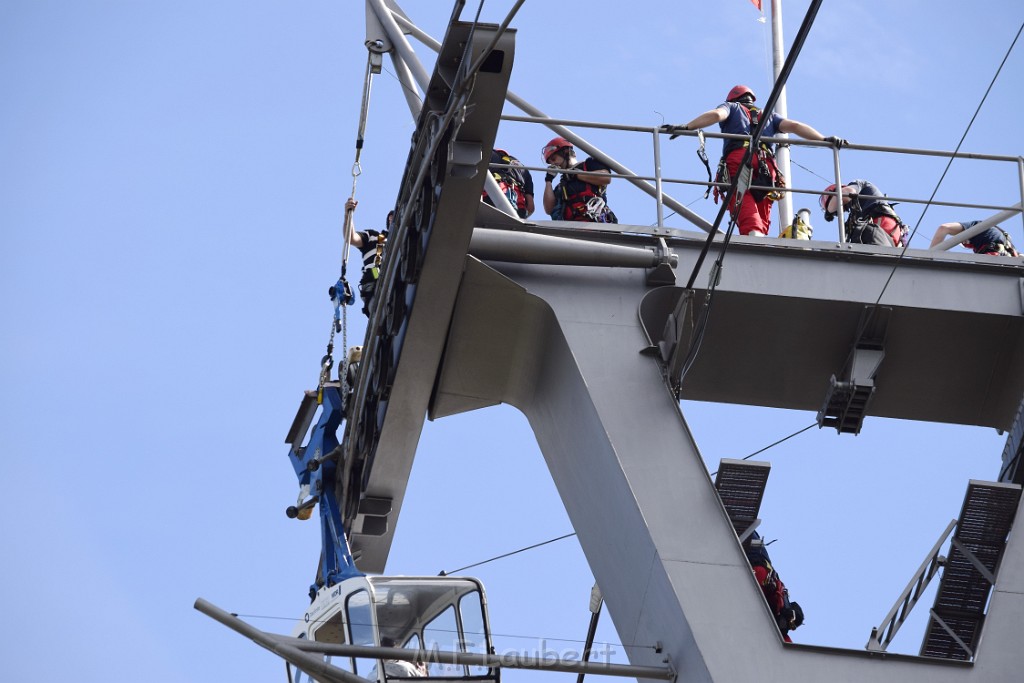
(788, 615)
(738, 115)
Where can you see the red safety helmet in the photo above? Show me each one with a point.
(554, 146)
(739, 91)
(827, 194)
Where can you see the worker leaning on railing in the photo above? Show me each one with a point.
(993, 241)
(738, 115)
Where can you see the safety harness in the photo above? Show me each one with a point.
(876, 216)
(1004, 248)
(789, 615)
(767, 173)
(510, 180)
(577, 200)
(999, 247)
(373, 257)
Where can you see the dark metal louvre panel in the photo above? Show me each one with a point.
(1013, 453)
(740, 485)
(985, 520)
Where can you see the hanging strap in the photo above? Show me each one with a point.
(703, 155)
(357, 169)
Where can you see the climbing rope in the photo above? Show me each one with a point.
(341, 293)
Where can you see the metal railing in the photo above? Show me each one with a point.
(882, 635)
(395, 25)
(654, 184)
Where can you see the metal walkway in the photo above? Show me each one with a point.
(740, 485)
(970, 570)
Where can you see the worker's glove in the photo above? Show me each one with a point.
(836, 142)
(675, 131)
(829, 216)
(553, 170)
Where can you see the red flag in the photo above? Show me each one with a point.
(757, 4)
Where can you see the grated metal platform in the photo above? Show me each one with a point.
(959, 611)
(740, 485)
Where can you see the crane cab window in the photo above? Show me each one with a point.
(436, 614)
(442, 633)
(332, 630)
(361, 629)
(474, 633)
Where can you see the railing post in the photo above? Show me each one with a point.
(657, 177)
(839, 197)
(1020, 179)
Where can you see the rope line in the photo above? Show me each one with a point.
(772, 445)
(514, 552)
(812, 172)
(471, 633)
(787, 438)
(950, 163)
(867, 319)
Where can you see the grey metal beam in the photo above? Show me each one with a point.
(625, 464)
(503, 661)
(433, 234)
(974, 302)
(284, 650)
(540, 337)
(524, 247)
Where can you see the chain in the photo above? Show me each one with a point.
(343, 370)
(325, 366)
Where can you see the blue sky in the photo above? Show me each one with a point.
(172, 181)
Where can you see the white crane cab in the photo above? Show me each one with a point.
(431, 614)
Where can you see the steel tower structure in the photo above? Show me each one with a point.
(583, 332)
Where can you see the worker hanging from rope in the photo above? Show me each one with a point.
(316, 463)
(370, 244)
(341, 292)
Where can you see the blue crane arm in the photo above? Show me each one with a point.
(316, 466)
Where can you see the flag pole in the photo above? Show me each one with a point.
(782, 154)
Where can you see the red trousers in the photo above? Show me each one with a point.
(753, 215)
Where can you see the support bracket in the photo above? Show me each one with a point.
(848, 396)
(664, 272)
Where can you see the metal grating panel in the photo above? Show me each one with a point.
(740, 485)
(985, 521)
